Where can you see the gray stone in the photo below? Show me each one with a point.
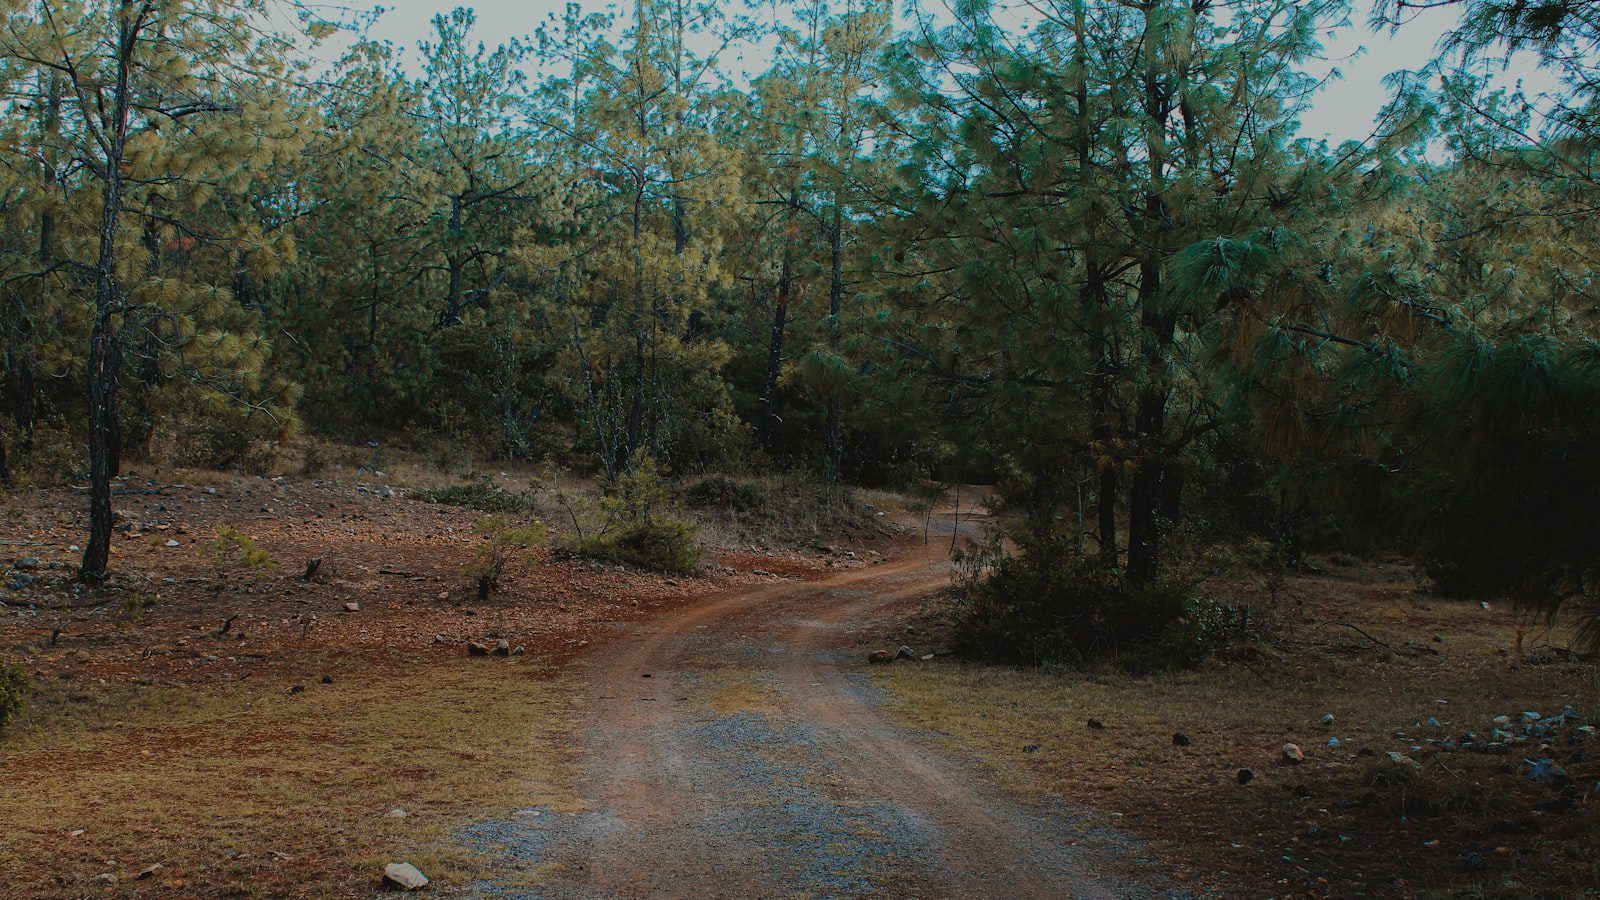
(502, 648)
(352, 606)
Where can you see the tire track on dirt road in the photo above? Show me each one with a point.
(806, 790)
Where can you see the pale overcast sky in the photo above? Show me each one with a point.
(1344, 110)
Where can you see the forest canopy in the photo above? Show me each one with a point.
(1089, 257)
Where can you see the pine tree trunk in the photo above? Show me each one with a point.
(830, 425)
(640, 362)
(769, 387)
(104, 341)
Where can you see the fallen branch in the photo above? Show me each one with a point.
(1361, 631)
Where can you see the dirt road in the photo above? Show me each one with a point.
(736, 749)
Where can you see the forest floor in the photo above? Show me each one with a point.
(210, 727)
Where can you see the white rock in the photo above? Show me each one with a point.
(404, 876)
(172, 543)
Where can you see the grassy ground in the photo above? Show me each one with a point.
(255, 792)
(1347, 820)
(173, 733)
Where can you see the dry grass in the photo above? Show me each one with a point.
(254, 792)
(1335, 824)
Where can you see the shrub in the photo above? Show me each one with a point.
(136, 605)
(720, 491)
(631, 529)
(1046, 604)
(664, 545)
(479, 495)
(506, 540)
(14, 686)
(231, 543)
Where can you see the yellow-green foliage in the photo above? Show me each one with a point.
(505, 540)
(232, 545)
(135, 606)
(14, 684)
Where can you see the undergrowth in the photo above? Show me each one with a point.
(479, 495)
(1047, 604)
(14, 685)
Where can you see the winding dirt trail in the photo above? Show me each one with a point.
(736, 749)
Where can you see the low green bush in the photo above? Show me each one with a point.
(506, 541)
(14, 685)
(662, 545)
(1045, 604)
(720, 491)
(479, 495)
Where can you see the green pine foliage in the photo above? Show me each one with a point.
(1082, 253)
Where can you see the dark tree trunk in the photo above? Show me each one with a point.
(104, 341)
(830, 425)
(1106, 513)
(640, 357)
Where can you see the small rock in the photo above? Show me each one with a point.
(148, 871)
(1293, 755)
(475, 648)
(444, 595)
(171, 542)
(1179, 739)
(518, 650)
(1245, 776)
(327, 679)
(104, 878)
(880, 657)
(396, 813)
(404, 876)
(905, 653)
(1400, 759)
(26, 562)
(1031, 748)
(1483, 604)
(438, 639)
(502, 648)
(1096, 724)
(925, 657)
(352, 606)
(1545, 771)
(1327, 720)
(19, 580)
(295, 689)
